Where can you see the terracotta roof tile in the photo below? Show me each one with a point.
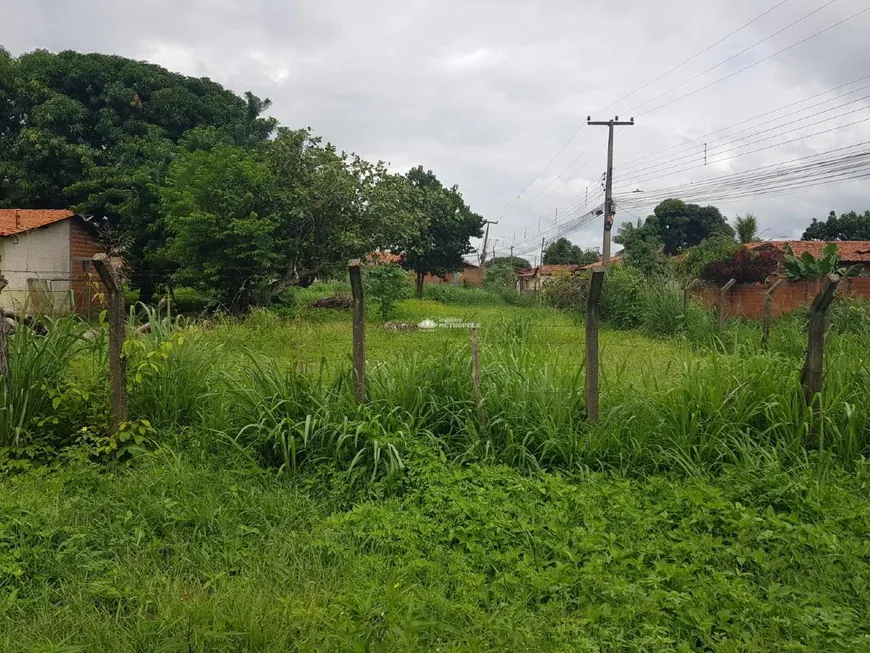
(851, 251)
(384, 257)
(17, 221)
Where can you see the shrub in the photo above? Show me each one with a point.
(623, 297)
(170, 371)
(386, 285)
(499, 277)
(451, 294)
(745, 265)
(711, 250)
(663, 314)
(566, 290)
(38, 365)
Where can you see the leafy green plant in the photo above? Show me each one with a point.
(37, 368)
(448, 293)
(623, 297)
(386, 285)
(170, 372)
(806, 266)
(716, 248)
(566, 290)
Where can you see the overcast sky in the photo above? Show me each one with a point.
(486, 92)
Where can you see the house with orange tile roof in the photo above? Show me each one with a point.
(45, 257)
(534, 279)
(852, 252)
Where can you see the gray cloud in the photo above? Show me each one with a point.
(486, 92)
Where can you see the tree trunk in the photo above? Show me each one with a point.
(419, 285)
(147, 288)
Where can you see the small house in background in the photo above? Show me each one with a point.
(534, 279)
(45, 256)
(468, 275)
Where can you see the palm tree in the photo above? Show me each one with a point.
(747, 228)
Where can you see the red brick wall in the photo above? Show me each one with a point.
(467, 277)
(86, 282)
(747, 299)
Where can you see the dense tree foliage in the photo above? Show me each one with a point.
(847, 226)
(679, 226)
(190, 182)
(250, 222)
(97, 132)
(696, 260)
(514, 262)
(641, 248)
(564, 252)
(447, 227)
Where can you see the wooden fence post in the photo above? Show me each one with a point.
(475, 375)
(595, 282)
(359, 331)
(811, 375)
(687, 292)
(114, 283)
(720, 324)
(768, 312)
(4, 343)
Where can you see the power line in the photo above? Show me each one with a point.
(663, 154)
(658, 173)
(695, 56)
(667, 171)
(805, 172)
(760, 61)
(637, 90)
(734, 56)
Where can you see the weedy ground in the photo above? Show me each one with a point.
(267, 511)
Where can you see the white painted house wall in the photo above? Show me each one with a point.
(42, 254)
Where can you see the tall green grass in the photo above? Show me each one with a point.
(725, 402)
(38, 366)
(730, 404)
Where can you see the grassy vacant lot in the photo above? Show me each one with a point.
(271, 513)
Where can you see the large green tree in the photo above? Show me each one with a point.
(846, 226)
(448, 225)
(678, 225)
(563, 252)
(641, 248)
(514, 262)
(247, 223)
(97, 132)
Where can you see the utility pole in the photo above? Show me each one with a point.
(608, 189)
(486, 238)
(512, 257)
(542, 251)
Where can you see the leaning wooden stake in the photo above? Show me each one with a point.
(4, 343)
(475, 375)
(768, 312)
(595, 282)
(720, 324)
(359, 331)
(114, 283)
(811, 375)
(687, 293)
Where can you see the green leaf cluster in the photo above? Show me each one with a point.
(806, 266)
